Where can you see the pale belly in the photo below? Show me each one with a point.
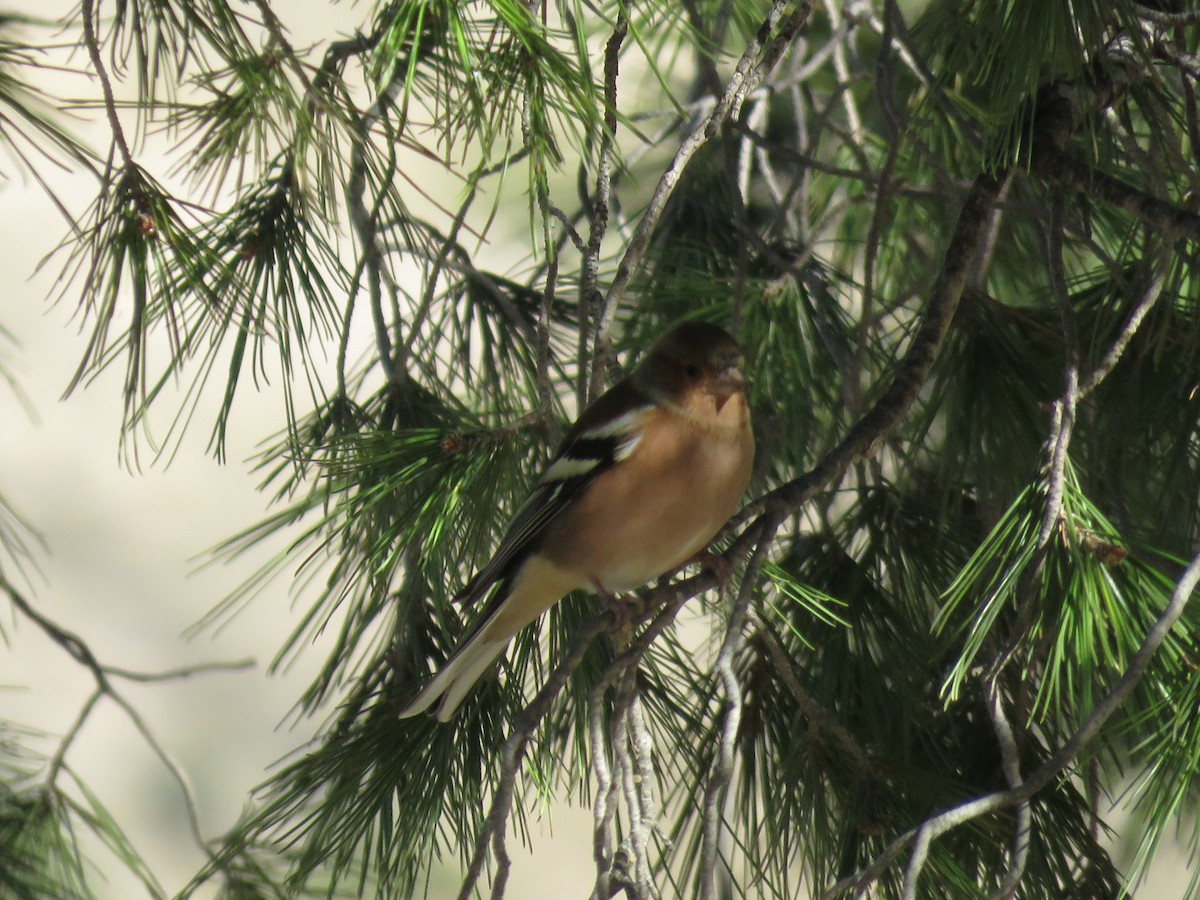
(642, 555)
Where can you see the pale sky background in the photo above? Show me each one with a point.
(120, 570)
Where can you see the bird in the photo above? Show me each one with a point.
(642, 482)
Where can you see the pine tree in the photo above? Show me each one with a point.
(956, 240)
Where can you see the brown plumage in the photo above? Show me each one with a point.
(642, 482)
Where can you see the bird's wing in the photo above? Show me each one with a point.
(606, 433)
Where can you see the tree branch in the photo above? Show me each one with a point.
(1172, 220)
(1010, 763)
(527, 721)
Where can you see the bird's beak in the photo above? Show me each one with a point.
(730, 380)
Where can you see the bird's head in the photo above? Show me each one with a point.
(694, 360)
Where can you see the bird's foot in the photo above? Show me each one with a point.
(629, 610)
(721, 567)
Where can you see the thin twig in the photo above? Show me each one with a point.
(494, 825)
(641, 746)
(78, 650)
(714, 791)
(1010, 763)
(638, 840)
(663, 605)
(816, 713)
(365, 226)
(625, 725)
(604, 810)
(58, 760)
(87, 11)
(182, 672)
(570, 232)
(1064, 413)
(1117, 348)
(604, 807)
(761, 53)
(596, 348)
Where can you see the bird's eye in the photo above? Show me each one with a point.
(692, 370)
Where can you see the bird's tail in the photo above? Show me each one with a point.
(456, 678)
(475, 651)
(536, 586)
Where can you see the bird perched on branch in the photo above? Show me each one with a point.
(642, 482)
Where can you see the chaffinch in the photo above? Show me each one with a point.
(642, 482)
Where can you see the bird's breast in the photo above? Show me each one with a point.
(660, 507)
